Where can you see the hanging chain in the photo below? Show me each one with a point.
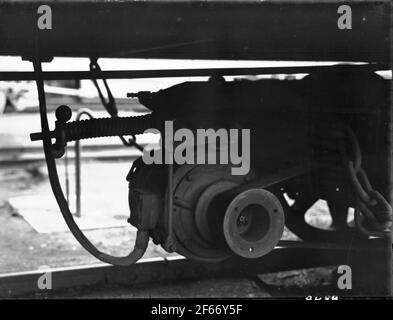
(373, 212)
(110, 105)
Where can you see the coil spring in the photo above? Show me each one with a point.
(107, 127)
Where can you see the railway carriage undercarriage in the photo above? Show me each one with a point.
(324, 137)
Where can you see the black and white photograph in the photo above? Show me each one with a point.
(202, 156)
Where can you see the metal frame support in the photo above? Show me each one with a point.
(78, 212)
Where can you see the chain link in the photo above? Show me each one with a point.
(373, 213)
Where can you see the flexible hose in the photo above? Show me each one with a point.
(142, 237)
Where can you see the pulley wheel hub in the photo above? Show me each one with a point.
(253, 223)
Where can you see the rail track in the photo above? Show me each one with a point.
(31, 154)
(109, 280)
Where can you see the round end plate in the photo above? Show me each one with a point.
(253, 223)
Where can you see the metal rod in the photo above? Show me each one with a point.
(140, 74)
(67, 181)
(78, 212)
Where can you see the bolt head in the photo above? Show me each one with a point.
(63, 113)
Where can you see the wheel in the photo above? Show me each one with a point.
(339, 230)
